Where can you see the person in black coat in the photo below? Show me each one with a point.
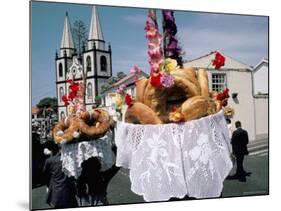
(61, 188)
(92, 183)
(239, 143)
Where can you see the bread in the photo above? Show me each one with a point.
(139, 113)
(140, 89)
(203, 81)
(194, 108)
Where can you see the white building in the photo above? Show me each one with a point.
(108, 97)
(250, 109)
(95, 62)
(260, 78)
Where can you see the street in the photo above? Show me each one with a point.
(257, 183)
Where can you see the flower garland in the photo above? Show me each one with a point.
(75, 99)
(160, 69)
(171, 47)
(121, 97)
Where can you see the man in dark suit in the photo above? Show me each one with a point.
(61, 188)
(239, 143)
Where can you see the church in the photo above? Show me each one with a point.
(94, 63)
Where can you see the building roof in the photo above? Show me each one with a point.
(34, 110)
(263, 61)
(204, 62)
(95, 32)
(66, 41)
(127, 78)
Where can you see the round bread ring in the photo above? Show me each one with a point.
(68, 126)
(153, 98)
(203, 81)
(140, 89)
(194, 108)
(99, 115)
(138, 113)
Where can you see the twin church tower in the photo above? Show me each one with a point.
(95, 61)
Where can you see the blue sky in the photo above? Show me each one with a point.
(244, 38)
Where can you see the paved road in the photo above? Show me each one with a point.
(119, 188)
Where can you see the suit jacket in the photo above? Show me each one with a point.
(239, 142)
(61, 192)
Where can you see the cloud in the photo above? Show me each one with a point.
(247, 41)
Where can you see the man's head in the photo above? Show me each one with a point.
(237, 124)
(228, 121)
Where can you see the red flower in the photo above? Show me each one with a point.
(219, 60)
(155, 80)
(128, 100)
(74, 86)
(72, 95)
(65, 100)
(224, 102)
(68, 81)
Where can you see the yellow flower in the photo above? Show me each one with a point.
(118, 101)
(170, 64)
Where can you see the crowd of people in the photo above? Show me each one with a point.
(90, 188)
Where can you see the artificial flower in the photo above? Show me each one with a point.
(65, 100)
(128, 100)
(155, 80)
(74, 86)
(175, 115)
(72, 95)
(167, 80)
(170, 64)
(219, 60)
(118, 101)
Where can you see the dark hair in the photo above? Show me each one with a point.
(237, 124)
(228, 121)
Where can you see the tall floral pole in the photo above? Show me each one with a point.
(171, 47)
(155, 52)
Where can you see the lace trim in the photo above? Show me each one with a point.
(73, 155)
(174, 160)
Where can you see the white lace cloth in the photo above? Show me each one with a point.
(73, 155)
(174, 160)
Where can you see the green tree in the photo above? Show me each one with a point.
(79, 35)
(47, 102)
(121, 75)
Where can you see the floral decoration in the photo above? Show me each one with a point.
(75, 98)
(175, 115)
(219, 60)
(223, 97)
(171, 47)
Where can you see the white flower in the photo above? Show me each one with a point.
(60, 133)
(76, 134)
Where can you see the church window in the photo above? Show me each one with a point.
(61, 93)
(88, 64)
(103, 63)
(90, 91)
(60, 70)
(62, 115)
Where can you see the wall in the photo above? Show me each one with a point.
(261, 105)
(260, 78)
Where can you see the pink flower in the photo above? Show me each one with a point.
(167, 80)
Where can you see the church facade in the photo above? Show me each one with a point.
(94, 63)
